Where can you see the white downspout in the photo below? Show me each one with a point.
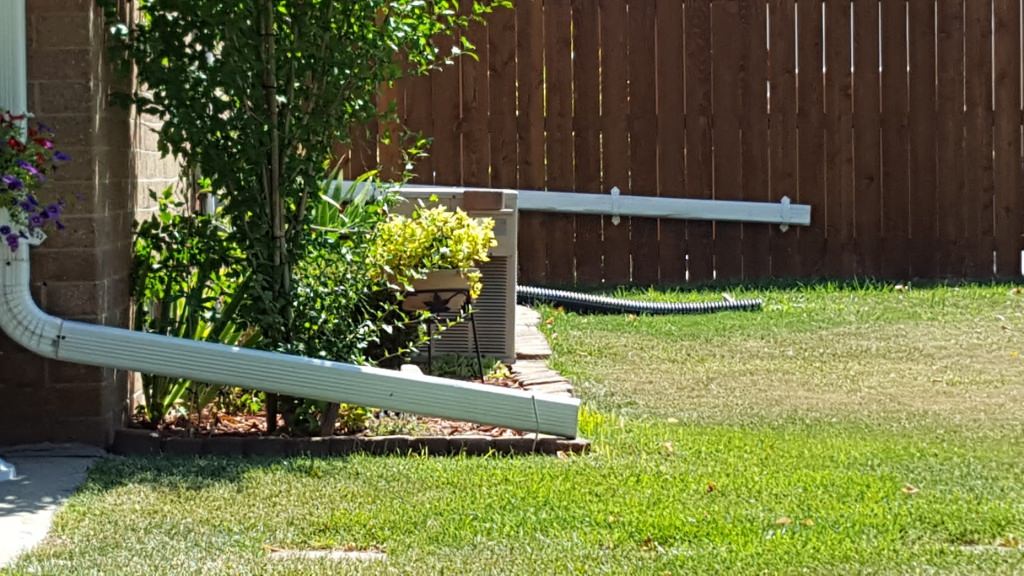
(13, 67)
(96, 345)
(13, 91)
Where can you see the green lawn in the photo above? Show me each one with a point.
(841, 430)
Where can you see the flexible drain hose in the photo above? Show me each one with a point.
(580, 302)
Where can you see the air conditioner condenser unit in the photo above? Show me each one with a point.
(494, 310)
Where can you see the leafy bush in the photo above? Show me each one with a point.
(408, 247)
(187, 276)
(253, 95)
(344, 309)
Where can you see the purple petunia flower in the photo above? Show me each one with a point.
(12, 241)
(61, 157)
(28, 167)
(53, 209)
(5, 230)
(35, 221)
(12, 182)
(26, 206)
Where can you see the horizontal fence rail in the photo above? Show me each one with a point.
(897, 121)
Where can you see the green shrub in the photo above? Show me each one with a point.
(344, 309)
(253, 95)
(186, 278)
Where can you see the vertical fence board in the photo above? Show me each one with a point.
(614, 133)
(390, 103)
(728, 73)
(754, 130)
(476, 148)
(341, 152)
(588, 246)
(699, 161)
(867, 148)
(530, 63)
(419, 121)
(559, 228)
(922, 136)
(1006, 67)
(643, 137)
(446, 102)
(671, 137)
(811, 136)
(949, 156)
(502, 122)
(978, 135)
(783, 126)
(895, 151)
(363, 149)
(839, 145)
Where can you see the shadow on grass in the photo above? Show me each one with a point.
(190, 473)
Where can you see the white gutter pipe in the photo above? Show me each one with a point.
(13, 93)
(13, 67)
(784, 213)
(117, 348)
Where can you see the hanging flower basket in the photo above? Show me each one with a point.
(27, 159)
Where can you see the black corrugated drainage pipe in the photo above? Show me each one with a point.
(580, 302)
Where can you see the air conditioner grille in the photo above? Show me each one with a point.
(492, 312)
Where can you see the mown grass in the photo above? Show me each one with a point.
(724, 443)
(947, 357)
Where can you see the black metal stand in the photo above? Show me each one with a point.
(438, 305)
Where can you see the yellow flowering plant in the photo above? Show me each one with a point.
(408, 247)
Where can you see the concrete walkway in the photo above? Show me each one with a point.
(531, 368)
(46, 475)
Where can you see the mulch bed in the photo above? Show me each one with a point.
(245, 435)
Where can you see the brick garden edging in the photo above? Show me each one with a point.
(140, 442)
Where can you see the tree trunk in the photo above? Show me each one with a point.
(281, 272)
(329, 418)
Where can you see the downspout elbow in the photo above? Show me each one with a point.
(20, 317)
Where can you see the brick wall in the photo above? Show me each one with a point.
(82, 273)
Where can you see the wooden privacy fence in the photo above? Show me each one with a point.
(898, 121)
